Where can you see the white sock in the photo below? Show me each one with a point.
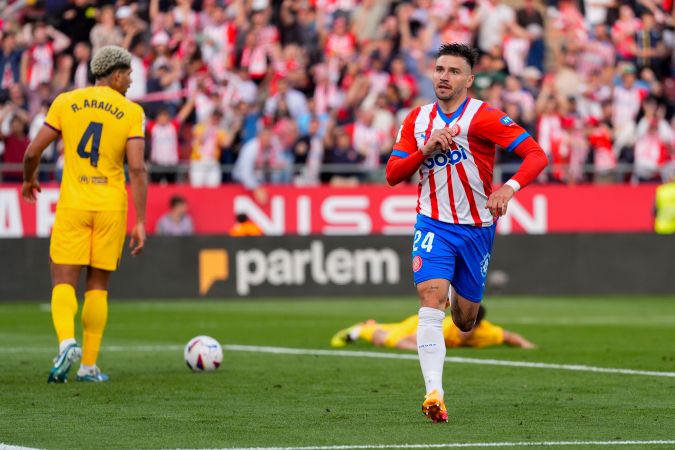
(85, 369)
(431, 347)
(354, 333)
(65, 343)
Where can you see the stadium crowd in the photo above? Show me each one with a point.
(313, 91)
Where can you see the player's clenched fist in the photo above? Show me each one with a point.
(439, 139)
(499, 200)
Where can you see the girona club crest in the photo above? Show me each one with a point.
(416, 263)
(454, 131)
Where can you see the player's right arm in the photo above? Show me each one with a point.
(47, 134)
(406, 158)
(138, 180)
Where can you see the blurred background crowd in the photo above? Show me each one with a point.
(307, 92)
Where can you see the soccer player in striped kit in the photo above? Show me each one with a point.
(451, 143)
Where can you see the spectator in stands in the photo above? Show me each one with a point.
(650, 49)
(530, 20)
(493, 19)
(16, 142)
(600, 143)
(294, 101)
(341, 153)
(38, 60)
(371, 143)
(177, 221)
(308, 154)
(327, 60)
(164, 141)
(652, 153)
(252, 163)
(81, 75)
(106, 31)
(10, 61)
(78, 18)
(624, 31)
(139, 72)
(131, 26)
(627, 98)
(209, 140)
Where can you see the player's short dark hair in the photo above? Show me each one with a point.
(469, 53)
(481, 315)
(177, 200)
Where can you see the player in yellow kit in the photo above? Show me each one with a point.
(99, 127)
(403, 335)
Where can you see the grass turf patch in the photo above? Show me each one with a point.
(260, 399)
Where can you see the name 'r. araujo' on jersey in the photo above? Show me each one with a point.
(455, 182)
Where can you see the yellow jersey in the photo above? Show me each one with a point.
(95, 124)
(484, 334)
(664, 222)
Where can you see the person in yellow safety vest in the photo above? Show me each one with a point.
(664, 220)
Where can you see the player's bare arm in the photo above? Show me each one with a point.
(31, 162)
(138, 179)
(516, 340)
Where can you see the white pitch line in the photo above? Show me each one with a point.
(451, 359)
(362, 354)
(462, 445)
(15, 447)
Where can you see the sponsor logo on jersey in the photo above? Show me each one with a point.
(416, 263)
(99, 180)
(442, 159)
(506, 120)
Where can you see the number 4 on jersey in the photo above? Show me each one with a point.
(93, 132)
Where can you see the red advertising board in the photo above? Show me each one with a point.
(364, 210)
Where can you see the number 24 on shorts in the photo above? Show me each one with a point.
(427, 242)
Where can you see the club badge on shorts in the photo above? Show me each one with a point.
(416, 263)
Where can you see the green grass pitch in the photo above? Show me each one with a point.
(281, 400)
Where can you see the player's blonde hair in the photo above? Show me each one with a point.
(108, 58)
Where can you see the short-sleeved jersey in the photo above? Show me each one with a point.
(95, 124)
(455, 183)
(484, 334)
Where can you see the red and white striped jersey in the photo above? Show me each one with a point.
(455, 183)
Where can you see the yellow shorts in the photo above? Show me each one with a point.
(88, 238)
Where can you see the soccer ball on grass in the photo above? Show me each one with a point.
(203, 354)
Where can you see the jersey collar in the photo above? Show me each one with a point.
(455, 114)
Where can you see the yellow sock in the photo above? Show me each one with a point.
(64, 308)
(94, 318)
